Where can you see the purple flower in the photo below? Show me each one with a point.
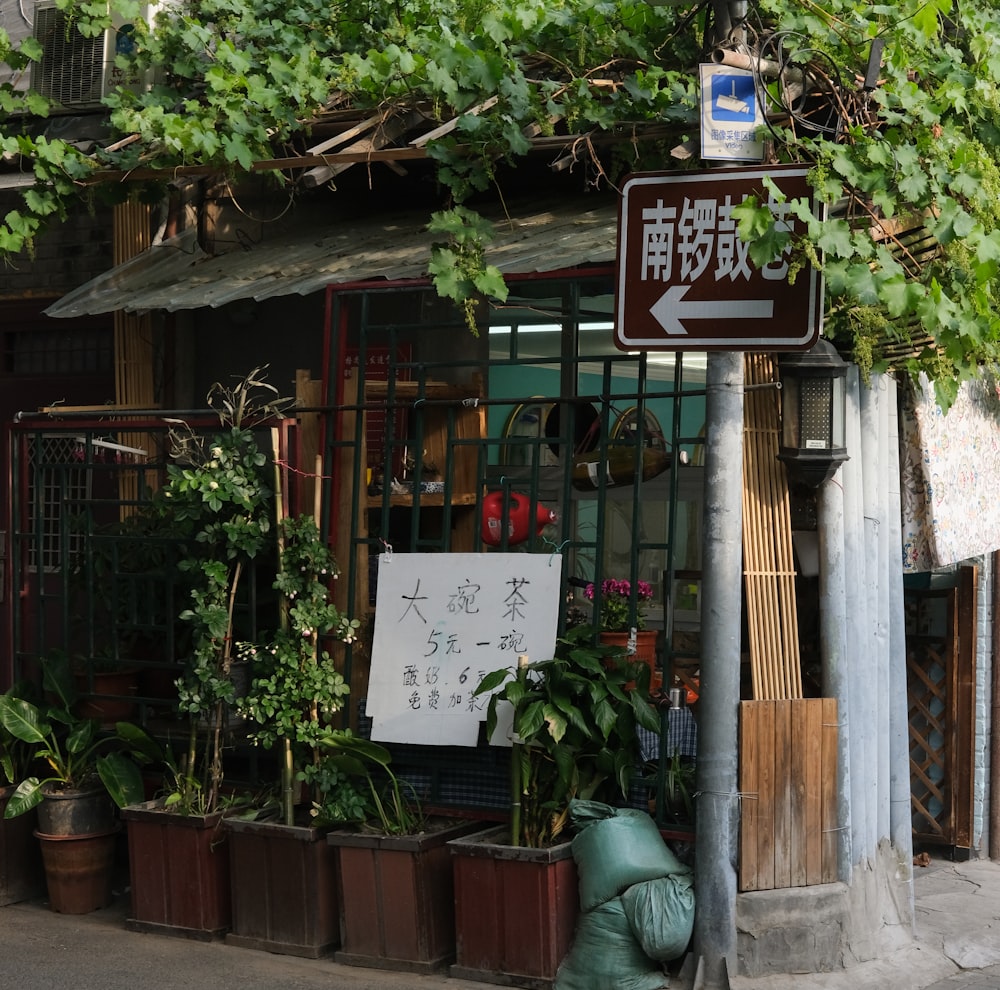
(616, 595)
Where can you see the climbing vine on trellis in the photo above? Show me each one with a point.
(907, 136)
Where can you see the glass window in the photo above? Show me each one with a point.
(58, 352)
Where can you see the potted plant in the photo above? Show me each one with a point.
(106, 690)
(120, 583)
(87, 768)
(283, 882)
(218, 502)
(89, 771)
(622, 621)
(394, 868)
(574, 723)
(118, 577)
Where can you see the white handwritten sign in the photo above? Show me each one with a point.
(442, 621)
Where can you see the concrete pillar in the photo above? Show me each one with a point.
(717, 820)
(833, 649)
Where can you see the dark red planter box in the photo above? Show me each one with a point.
(179, 872)
(515, 910)
(284, 889)
(397, 898)
(21, 875)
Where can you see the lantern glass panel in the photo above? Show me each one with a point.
(816, 407)
(789, 412)
(839, 412)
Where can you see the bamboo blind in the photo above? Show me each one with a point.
(133, 342)
(768, 563)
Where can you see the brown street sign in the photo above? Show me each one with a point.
(684, 279)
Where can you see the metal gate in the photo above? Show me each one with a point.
(439, 432)
(92, 577)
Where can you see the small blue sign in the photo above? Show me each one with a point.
(733, 97)
(731, 115)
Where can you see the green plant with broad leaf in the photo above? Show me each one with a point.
(383, 800)
(614, 85)
(574, 725)
(16, 755)
(77, 751)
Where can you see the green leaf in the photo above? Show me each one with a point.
(490, 282)
(32, 48)
(28, 795)
(952, 222)
(121, 779)
(900, 295)
(925, 19)
(139, 742)
(23, 720)
(835, 239)
(529, 720)
(492, 681)
(237, 150)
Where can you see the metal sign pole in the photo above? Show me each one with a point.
(717, 818)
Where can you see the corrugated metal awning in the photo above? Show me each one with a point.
(176, 274)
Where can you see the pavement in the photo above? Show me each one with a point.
(956, 944)
(956, 947)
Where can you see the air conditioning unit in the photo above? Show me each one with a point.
(75, 71)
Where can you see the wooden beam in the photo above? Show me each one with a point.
(450, 125)
(408, 153)
(386, 133)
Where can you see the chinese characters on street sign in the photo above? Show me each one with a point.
(443, 621)
(684, 278)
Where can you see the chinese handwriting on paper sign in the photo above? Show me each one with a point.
(702, 239)
(475, 626)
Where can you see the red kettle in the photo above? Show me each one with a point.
(519, 520)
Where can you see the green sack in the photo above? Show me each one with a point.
(661, 914)
(606, 956)
(616, 851)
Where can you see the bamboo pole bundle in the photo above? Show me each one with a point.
(769, 571)
(133, 342)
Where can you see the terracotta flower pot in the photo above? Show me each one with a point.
(79, 870)
(645, 651)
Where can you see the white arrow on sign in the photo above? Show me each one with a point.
(671, 308)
